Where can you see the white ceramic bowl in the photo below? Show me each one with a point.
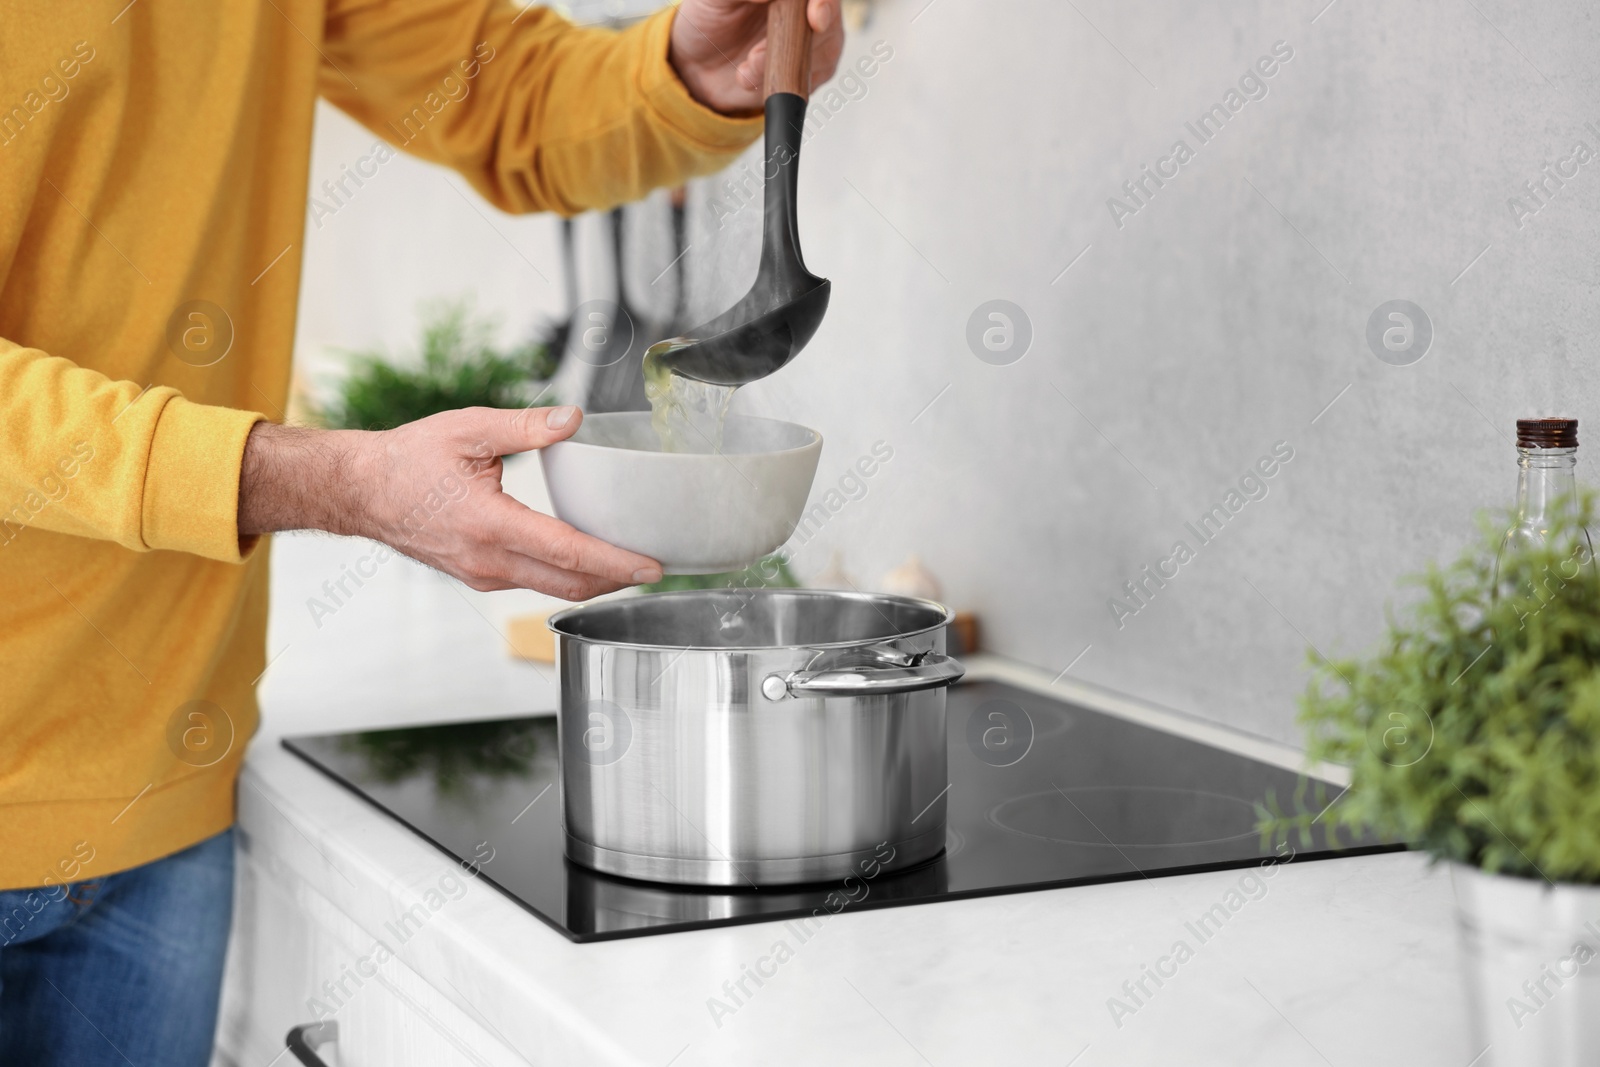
(695, 513)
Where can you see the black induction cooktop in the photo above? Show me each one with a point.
(1043, 794)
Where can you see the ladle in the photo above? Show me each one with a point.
(784, 307)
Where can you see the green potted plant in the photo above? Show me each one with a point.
(1474, 733)
(458, 366)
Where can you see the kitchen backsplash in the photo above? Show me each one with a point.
(1116, 284)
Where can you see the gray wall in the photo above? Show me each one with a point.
(1221, 318)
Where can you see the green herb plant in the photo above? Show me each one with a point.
(1474, 731)
(458, 367)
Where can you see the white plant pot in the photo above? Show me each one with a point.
(1531, 960)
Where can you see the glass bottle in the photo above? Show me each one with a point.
(1547, 461)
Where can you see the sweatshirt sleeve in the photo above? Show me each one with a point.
(538, 114)
(83, 454)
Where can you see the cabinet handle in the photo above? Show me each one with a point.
(305, 1039)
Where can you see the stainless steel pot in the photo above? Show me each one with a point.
(753, 737)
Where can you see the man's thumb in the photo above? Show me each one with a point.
(509, 431)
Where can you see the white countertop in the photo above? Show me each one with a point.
(1340, 961)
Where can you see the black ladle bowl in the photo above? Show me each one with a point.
(784, 307)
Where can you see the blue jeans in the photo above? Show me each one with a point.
(120, 970)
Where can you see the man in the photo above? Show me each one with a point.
(153, 167)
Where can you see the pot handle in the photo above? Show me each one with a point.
(927, 671)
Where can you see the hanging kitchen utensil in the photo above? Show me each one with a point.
(556, 335)
(678, 198)
(784, 307)
(618, 382)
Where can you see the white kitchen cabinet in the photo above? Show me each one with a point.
(288, 941)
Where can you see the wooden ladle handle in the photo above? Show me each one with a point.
(788, 48)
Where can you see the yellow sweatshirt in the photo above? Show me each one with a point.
(153, 170)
